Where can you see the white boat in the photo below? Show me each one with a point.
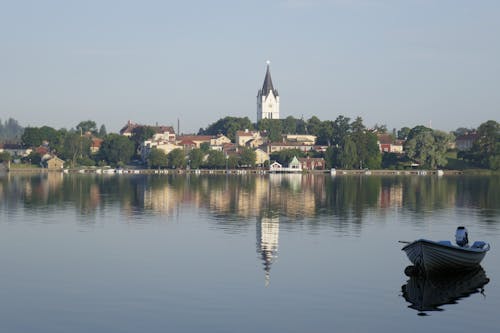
(431, 256)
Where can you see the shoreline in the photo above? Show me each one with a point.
(333, 172)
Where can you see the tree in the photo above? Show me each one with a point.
(341, 129)
(141, 134)
(403, 133)
(325, 135)
(102, 131)
(428, 147)
(462, 131)
(10, 131)
(487, 147)
(177, 159)
(233, 161)
(5, 156)
(313, 125)
(272, 127)
(290, 125)
(228, 126)
(35, 136)
(196, 158)
(216, 159)
(75, 147)
(87, 126)
(372, 158)
(248, 157)
(286, 155)
(205, 147)
(382, 129)
(117, 149)
(331, 157)
(348, 155)
(157, 158)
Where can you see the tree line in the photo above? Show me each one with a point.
(349, 144)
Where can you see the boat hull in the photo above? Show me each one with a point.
(429, 293)
(430, 256)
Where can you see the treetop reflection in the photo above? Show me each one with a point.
(294, 196)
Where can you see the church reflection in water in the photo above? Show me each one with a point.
(267, 243)
(429, 293)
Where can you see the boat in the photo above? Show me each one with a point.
(436, 256)
(429, 293)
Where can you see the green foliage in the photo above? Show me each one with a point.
(313, 125)
(348, 155)
(177, 159)
(157, 159)
(35, 136)
(248, 157)
(272, 127)
(352, 145)
(286, 155)
(76, 147)
(403, 133)
(116, 148)
(102, 131)
(85, 160)
(10, 131)
(205, 147)
(325, 134)
(494, 162)
(233, 161)
(216, 160)
(331, 157)
(33, 158)
(87, 126)
(487, 148)
(196, 158)
(427, 147)
(290, 125)
(341, 129)
(381, 129)
(5, 156)
(228, 126)
(141, 134)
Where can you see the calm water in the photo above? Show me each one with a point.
(283, 253)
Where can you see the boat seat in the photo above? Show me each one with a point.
(445, 242)
(478, 245)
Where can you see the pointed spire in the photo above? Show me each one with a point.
(268, 83)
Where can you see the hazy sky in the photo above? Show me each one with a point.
(398, 63)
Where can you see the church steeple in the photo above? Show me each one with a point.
(268, 100)
(267, 87)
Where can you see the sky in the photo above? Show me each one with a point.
(399, 63)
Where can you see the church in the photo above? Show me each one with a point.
(268, 99)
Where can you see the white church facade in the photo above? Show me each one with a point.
(268, 99)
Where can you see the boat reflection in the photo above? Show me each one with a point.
(429, 293)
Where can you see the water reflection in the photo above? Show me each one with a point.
(268, 228)
(430, 293)
(246, 196)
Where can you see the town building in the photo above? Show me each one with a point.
(387, 144)
(15, 150)
(54, 163)
(466, 141)
(312, 163)
(163, 133)
(268, 100)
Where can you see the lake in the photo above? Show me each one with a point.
(240, 253)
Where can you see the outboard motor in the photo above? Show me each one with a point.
(461, 236)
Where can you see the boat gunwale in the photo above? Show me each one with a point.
(486, 248)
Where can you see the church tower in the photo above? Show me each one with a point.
(268, 100)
